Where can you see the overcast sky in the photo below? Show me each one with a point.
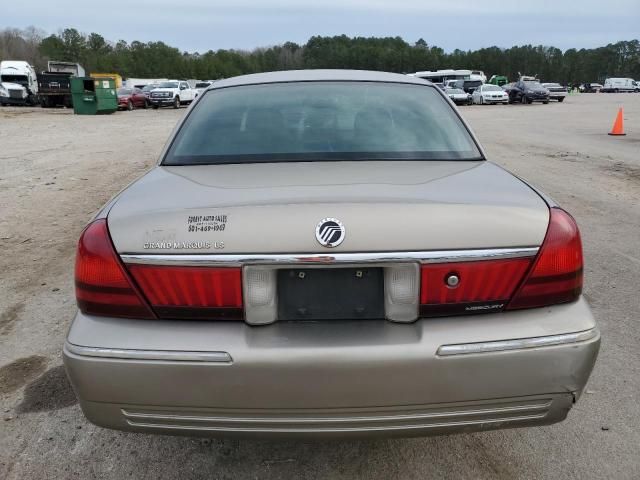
(200, 25)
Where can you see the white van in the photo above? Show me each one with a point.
(616, 85)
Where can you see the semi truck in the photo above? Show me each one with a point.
(18, 83)
(54, 85)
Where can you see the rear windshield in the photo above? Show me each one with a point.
(307, 121)
(124, 91)
(168, 85)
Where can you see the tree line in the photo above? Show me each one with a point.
(393, 54)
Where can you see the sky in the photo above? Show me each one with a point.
(201, 25)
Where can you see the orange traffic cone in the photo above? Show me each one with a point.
(618, 126)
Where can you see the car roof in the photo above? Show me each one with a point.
(318, 75)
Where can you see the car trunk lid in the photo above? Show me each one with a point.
(275, 208)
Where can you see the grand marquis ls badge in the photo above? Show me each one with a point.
(330, 232)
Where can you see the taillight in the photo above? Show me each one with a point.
(553, 277)
(556, 276)
(469, 287)
(102, 285)
(191, 292)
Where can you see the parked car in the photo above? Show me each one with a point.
(556, 91)
(130, 98)
(489, 94)
(147, 89)
(468, 86)
(172, 94)
(260, 282)
(590, 88)
(526, 91)
(201, 87)
(615, 85)
(458, 96)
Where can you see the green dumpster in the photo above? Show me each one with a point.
(94, 96)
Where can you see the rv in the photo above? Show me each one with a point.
(441, 76)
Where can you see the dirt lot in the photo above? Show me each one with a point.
(56, 169)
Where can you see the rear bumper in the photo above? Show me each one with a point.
(331, 379)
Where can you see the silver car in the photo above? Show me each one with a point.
(328, 253)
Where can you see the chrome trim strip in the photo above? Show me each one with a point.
(314, 429)
(518, 344)
(160, 416)
(158, 355)
(436, 256)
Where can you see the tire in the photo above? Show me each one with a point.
(129, 105)
(176, 102)
(146, 104)
(481, 101)
(561, 99)
(546, 102)
(155, 107)
(523, 100)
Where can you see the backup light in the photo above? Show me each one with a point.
(260, 295)
(401, 289)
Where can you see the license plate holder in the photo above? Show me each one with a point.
(330, 293)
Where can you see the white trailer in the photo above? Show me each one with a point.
(441, 76)
(141, 82)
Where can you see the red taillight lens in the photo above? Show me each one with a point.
(102, 285)
(556, 276)
(482, 286)
(191, 292)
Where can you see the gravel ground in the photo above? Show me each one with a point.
(56, 169)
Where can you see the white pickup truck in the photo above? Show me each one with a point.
(172, 93)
